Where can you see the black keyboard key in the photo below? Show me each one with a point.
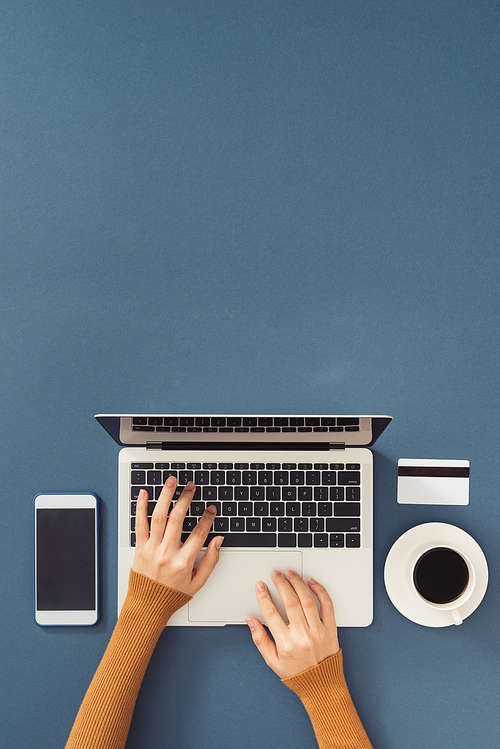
(301, 525)
(347, 509)
(209, 493)
(346, 421)
(171, 421)
(329, 478)
(321, 541)
(253, 525)
(297, 477)
(197, 509)
(316, 525)
(336, 540)
(245, 509)
(349, 478)
(257, 466)
(225, 466)
(352, 493)
(308, 509)
(189, 524)
(285, 540)
(138, 477)
(143, 466)
(201, 478)
(305, 540)
(233, 477)
(241, 493)
(336, 494)
(284, 525)
(237, 524)
(241, 466)
(313, 478)
(343, 525)
(218, 421)
(324, 509)
(269, 525)
(230, 509)
(289, 493)
(353, 541)
(234, 421)
(217, 478)
(140, 420)
(221, 525)
(250, 421)
(261, 509)
(265, 477)
(277, 509)
(273, 493)
(281, 478)
(265, 421)
(202, 421)
(296, 421)
(280, 421)
(178, 466)
(185, 477)
(292, 509)
(249, 478)
(321, 494)
(257, 493)
(193, 466)
(312, 421)
(249, 540)
(225, 493)
(305, 494)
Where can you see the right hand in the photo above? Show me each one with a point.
(308, 639)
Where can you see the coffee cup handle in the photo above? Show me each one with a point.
(457, 619)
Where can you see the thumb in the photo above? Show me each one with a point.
(207, 563)
(263, 642)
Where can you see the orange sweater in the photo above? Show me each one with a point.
(104, 717)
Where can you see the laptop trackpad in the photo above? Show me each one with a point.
(229, 594)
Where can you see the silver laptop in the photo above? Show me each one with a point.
(291, 492)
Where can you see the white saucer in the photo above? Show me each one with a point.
(401, 559)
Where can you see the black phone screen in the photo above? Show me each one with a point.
(66, 559)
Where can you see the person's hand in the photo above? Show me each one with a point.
(308, 638)
(160, 554)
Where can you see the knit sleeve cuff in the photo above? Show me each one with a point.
(158, 600)
(325, 675)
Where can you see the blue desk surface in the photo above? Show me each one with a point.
(249, 207)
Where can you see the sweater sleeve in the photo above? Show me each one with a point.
(106, 712)
(324, 694)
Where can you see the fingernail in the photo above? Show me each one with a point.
(219, 542)
(276, 574)
(212, 509)
(312, 582)
(250, 624)
(143, 494)
(290, 574)
(190, 486)
(171, 481)
(261, 586)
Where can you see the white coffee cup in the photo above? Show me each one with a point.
(438, 574)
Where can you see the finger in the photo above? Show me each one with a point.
(207, 563)
(263, 642)
(326, 605)
(271, 615)
(291, 601)
(141, 518)
(160, 512)
(198, 535)
(177, 515)
(307, 600)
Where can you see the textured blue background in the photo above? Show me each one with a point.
(252, 207)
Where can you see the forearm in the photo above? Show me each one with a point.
(106, 712)
(324, 693)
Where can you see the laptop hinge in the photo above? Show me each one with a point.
(243, 446)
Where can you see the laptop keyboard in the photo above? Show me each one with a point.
(263, 505)
(244, 424)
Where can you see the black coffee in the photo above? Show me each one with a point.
(441, 575)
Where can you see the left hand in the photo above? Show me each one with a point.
(160, 554)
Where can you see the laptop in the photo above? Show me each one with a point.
(291, 492)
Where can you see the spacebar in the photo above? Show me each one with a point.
(257, 540)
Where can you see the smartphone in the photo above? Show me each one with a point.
(66, 559)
